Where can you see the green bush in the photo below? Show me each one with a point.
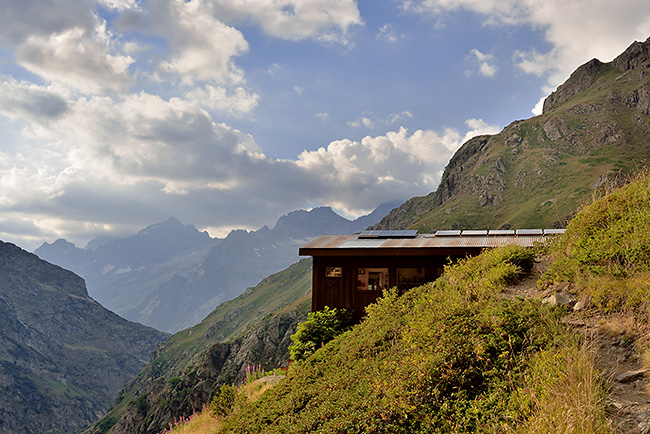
(319, 328)
(224, 401)
(606, 249)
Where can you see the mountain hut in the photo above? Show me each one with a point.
(351, 271)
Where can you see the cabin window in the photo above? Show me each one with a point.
(334, 272)
(408, 278)
(372, 279)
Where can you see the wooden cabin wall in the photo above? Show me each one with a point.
(341, 292)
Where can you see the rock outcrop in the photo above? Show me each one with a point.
(157, 401)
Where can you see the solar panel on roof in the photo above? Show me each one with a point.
(530, 232)
(501, 232)
(448, 233)
(389, 234)
(475, 232)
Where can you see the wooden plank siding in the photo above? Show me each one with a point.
(342, 292)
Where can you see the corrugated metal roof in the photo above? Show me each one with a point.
(421, 241)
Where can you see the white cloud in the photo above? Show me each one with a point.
(485, 62)
(389, 33)
(576, 31)
(323, 20)
(102, 165)
(77, 57)
(119, 4)
(22, 19)
(372, 121)
(202, 46)
(29, 101)
(236, 102)
(357, 174)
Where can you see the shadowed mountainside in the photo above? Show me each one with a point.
(63, 357)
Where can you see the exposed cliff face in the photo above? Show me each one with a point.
(63, 357)
(154, 401)
(583, 78)
(536, 171)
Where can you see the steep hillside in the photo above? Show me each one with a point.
(477, 352)
(252, 329)
(170, 276)
(63, 357)
(536, 172)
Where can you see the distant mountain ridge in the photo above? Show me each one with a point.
(170, 276)
(63, 357)
(536, 172)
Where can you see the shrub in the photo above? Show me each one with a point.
(606, 249)
(224, 401)
(319, 328)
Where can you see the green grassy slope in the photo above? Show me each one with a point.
(457, 356)
(229, 320)
(251, 329)
(536, 172)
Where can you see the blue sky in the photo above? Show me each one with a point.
(115, 114)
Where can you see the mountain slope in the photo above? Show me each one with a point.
(536, 172)
(63, 357)
(252, 329)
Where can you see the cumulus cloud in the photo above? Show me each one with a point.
(77, 58)
(22, 19)
(486, 66)
(103, 165)
(202, 46)
(29, 101)
(236, 102)
(323, 20)
(576, 31)
(120, 5)
(355, 175)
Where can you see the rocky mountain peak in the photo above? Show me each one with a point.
(581, 79)
(637, 56)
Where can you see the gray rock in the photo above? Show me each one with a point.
(629, 376)
(559, 299)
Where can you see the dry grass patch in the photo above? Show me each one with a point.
(567, 393)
